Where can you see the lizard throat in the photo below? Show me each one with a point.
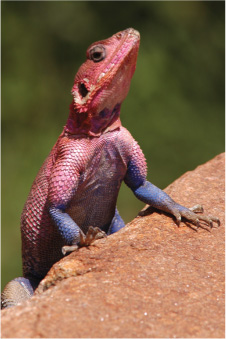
(92, 124)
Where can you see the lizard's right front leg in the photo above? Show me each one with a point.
(95, 233)
(72, 233)
(67, 227)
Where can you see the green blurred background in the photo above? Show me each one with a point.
(175, 108)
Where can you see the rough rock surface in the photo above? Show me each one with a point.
(151, 279)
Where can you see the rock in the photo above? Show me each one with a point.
(151, 279)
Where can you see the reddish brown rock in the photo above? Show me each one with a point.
(151, 279)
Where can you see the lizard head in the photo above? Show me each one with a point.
(103, 80)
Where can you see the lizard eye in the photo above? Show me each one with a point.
(97, 53)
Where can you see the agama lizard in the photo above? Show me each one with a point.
(72, 201)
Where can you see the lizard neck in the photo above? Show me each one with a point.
(93, 124)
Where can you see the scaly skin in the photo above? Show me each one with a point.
(72, 201)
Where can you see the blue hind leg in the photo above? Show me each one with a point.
(116, 224)
(17, 291)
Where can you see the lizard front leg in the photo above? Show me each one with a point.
(155, 197)
(92, 234)
(87, 239)
(72, 233)
(150, 194)
(95, 233)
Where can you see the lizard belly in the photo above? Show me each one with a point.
(98, 189)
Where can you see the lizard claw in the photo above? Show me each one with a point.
(178, 219)
(68, 249)
(190, 215)
(197, 209)
(92, 234)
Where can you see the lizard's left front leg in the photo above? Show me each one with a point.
(153, 196)
(150, 194)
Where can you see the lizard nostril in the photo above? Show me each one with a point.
(82, 89)
(119, 35)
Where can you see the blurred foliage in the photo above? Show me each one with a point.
(175, 108)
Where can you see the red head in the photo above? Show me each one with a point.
(102, 83)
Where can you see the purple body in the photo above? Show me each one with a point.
(81, 177)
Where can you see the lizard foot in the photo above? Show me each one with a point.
(92, 234)
(190, 215)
